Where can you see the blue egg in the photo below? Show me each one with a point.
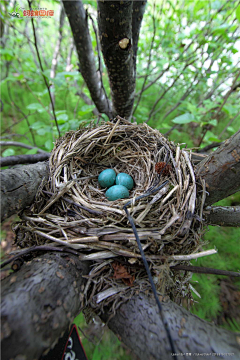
(117, 192)
(107, 178)
(125, 180)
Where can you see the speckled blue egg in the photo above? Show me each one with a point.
(125, 180)
(117, 192)
(107, 178)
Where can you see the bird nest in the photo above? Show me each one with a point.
(165, 204)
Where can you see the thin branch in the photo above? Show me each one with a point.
(57, 51)
(205, 270)
(209, 147)
(40, 63)
(20, 110)
(37, 248)
(15, 143)
(149, 56)
(229, 124)
(78, 21)
(23, 159)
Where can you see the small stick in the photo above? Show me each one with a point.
(205, 270)
(194, 256)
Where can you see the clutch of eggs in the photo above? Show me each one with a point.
(124, 182)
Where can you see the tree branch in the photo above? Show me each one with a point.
(221, 170)
(78, 21)
(16, 143)
(223, 215)
(23, 159)
(137, 323)
(39, 302)
(19, 187)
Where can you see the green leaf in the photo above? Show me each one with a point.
(31, 152)
(183, 119)
(86, 109)
(49, 145)
(62, 117)
(36, 106)
(238, 13)
(8, 152)
(213, 122)
(44, 130)
(38, 125)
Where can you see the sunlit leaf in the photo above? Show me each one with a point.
(8, 152)
(183, 119)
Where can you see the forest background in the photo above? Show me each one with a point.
(187, 87)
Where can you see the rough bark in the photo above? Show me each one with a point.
(138, 324)
(19, 187)
(116, 36)
(23, 159)
(223, 215)
(221, 170)
(42, 298)
(137, 16)
(39, 302)
(79, 24)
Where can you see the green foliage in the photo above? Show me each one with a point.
(226, 240)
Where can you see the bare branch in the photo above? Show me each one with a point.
(15, 143)
(23, 159)
(78, 21)
(223, 215)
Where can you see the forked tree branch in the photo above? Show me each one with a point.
(40, 300)
(78, 21)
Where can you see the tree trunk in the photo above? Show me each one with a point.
(39, 302)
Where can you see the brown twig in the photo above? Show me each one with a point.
(37, 248)
(205, 270)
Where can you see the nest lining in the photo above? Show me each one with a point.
(71, 209)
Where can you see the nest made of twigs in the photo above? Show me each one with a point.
(71, 209)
